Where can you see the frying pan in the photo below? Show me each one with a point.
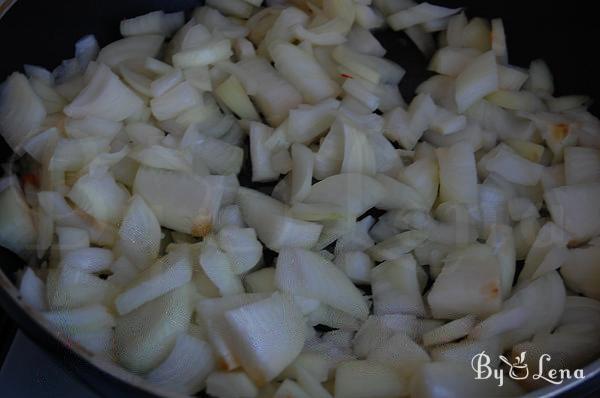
(44, 32)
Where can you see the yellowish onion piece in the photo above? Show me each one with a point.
(418, 14)
(581, 271)
(476, 81)
(17, 229)
(450, 331)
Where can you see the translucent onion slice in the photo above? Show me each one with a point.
(476, 81)
(187, 366)
(306, 123)
(106, 97)
(88, 259)
(573, 208)
(582, 165)
(355, 193)
(265, 356)
(308, 274)
(230, 384)
(72, 288)
(418, 14)
(450, 331)
(232, 93)
(100, 196)
(17, 231)
(482, 296)
(21, 111)
(218, 268)
(33, 290)
(81, 319)
(139, 233)
(158, 323)
(401, 353)
(458, 175)
(396, 288)
(211, 314)
(303, 72)
(164, 190)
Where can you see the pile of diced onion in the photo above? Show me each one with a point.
(144, 249)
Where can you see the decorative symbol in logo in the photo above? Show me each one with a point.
(517, 370)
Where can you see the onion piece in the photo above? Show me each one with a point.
(17, 231)
(401, 353)
(230, 384)
(371, 68)
(396, 288)
(540, 78)
(104, 97)
(159, 322)
(482, 296)
(502, 241)
(511, 77)
(476, 81)
(262, 169)
(262, 359)
(72, 288)
(218, 268)
(290, 389)
(208, 54)
(281, 28)
(241, 247)
(33, 290)
(139, 233)
(356, 264)
(159, 157)
(261, 281)
(514, 168)
(233, 95)
(306, 123)
(163, 192)
(397, 246)
(358, 192)
(303, 72)
(359, 155)
(355, 379)
(499, 41)
(302, 170)
(573, 208)
(451, 61)
(100, 196)
(88, 259)
(186, 367)
(450, 331)
(166, 274)
(306, 273)
(458, 175)
(21, 111)
(274, 96)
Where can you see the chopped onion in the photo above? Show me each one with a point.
(396, 288)
(21, 111)
(418, 14)
(304, 72)
(401, 353)
(573, 208)
(355, 193)
(582, 165)
(33, 290)
(105, 97)
(139, 233)
(233, 95)
(158, 323)
(241, 247)
(186, 367)
(17, 231)
(450, 331)
(230, 384)
(180, 201)
(540, 78)
(476, 81)
(458, 175)
(371, 68)
(302, 169)
(482, 296)
(100, 196)
(265, 356)
(308, 274)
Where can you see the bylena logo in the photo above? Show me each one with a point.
(519, 369)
